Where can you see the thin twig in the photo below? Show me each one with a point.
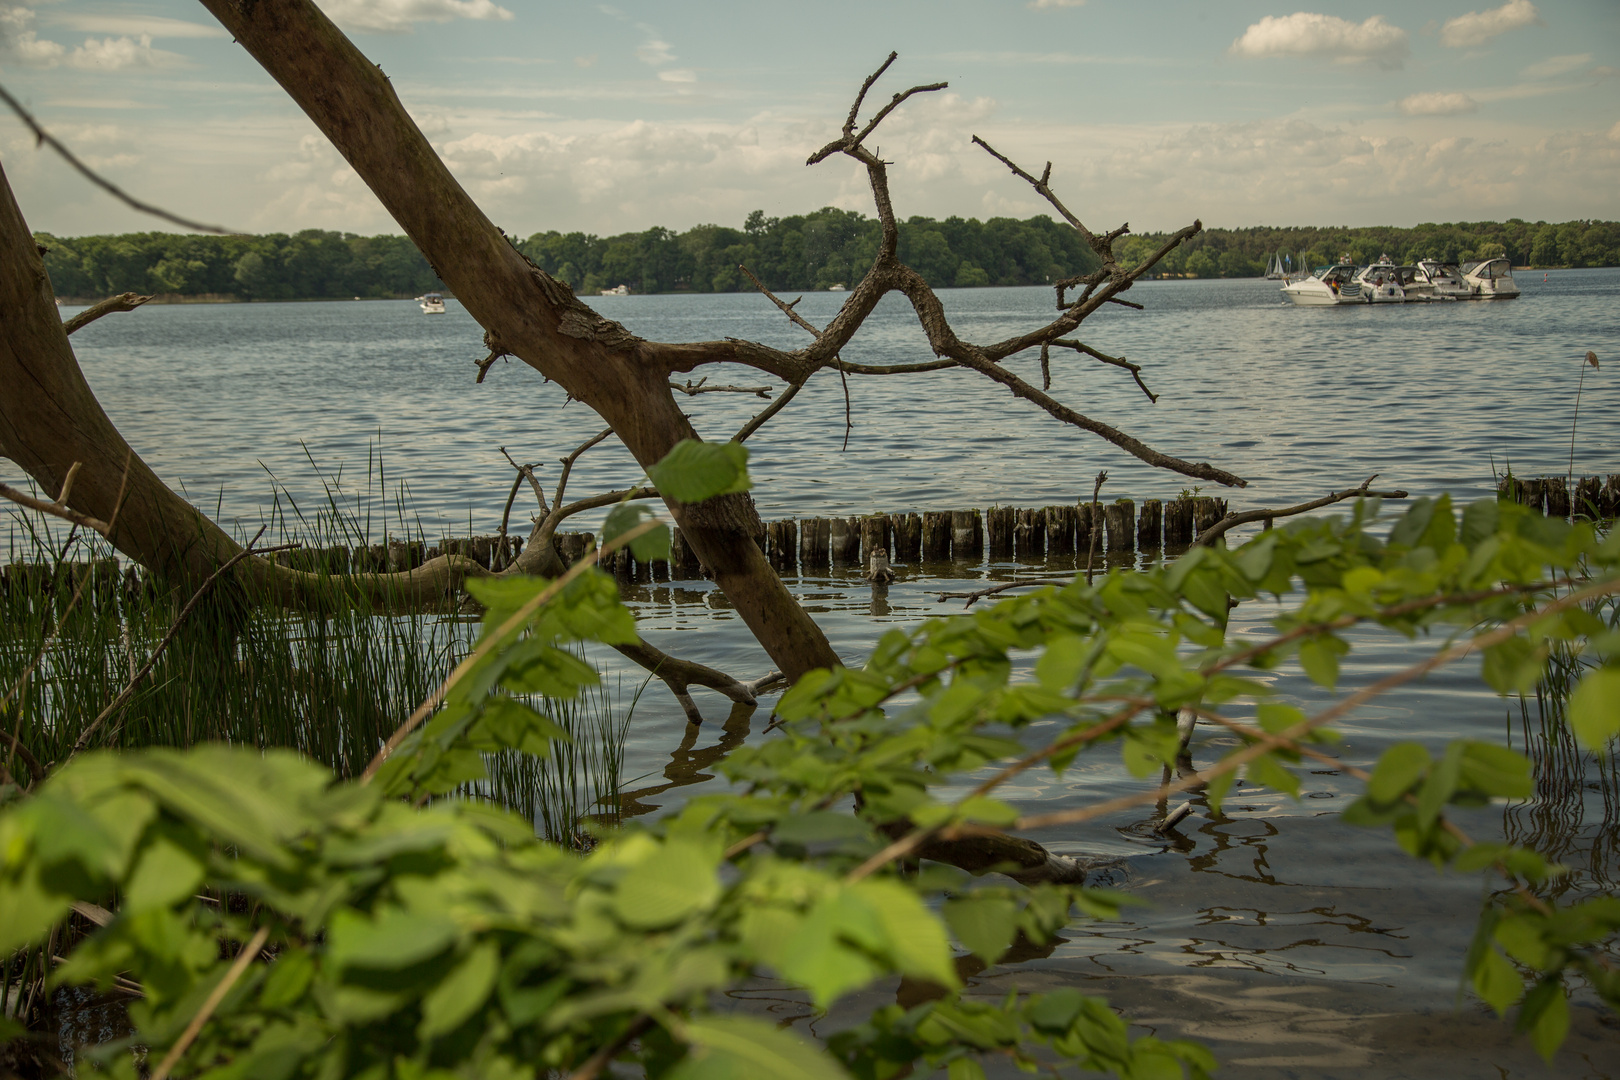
(765, 414)
(1116, 361)
(523, 472)
(692, 389)
(1232, 521)
(592, 1066)
(41, 136)
(56, 509)
(568, 463)
(243, 960)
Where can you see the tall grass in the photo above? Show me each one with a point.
(328, 680)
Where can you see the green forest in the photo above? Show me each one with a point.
(808, 251)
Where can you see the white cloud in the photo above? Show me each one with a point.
(678, 75)
(1478, 27)
(1554, 66)
(1307, 34)
(399, 16)
(1043, 5)
(655, 52)
(1438, 103)
(136, 25)
(1614, 132)
(115, 54)
(20, 43)
(585, 61)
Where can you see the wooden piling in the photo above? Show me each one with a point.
(1150, 525)
(936, 535)
(967, 534)
(908, 534)
(1207, 511)
(999, 524)
(1060, 529)
(1510, 489)
(874, 534)
(1120, 516)
(1557, 497)
(1178, 523)
(1535, 495)
(1029, 534)
(844, 541)
(812, 542)
(1588, 504)
(1610, 502)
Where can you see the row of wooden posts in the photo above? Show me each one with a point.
(1001, 532)
(1593, 497)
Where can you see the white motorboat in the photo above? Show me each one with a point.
(1490, 279)
(432, 303)
(1446, 280)
(1335, 284)
(1381, 282)
(620, 290)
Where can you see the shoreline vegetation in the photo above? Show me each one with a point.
(816, 251)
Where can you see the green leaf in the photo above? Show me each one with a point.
(1397, 770)
(1513, 666)
(1060, 665)
(1594, 708)
(694, 471)
(1215, 793)
(1496, 771)
(1266, 770)
(1410, 529)
(1545, 1014)
(1440, 785)
(461, 993)
(675, 881)
(968, 1069)
(164, 873)
(1319, 656)
(1497, 981)
(985, 925)
(394, 939)
(654, 544)
(915, 938)
(737, 1048)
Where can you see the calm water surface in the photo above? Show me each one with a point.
(1294, 945)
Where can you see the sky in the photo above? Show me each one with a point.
(612, 117)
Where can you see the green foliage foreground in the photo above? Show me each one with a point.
(414, 935)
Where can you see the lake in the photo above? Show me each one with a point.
(1292, 944)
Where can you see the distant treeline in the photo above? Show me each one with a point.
(809, 251)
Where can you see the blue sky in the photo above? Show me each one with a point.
(608, 117)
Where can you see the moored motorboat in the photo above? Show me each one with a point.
(1446, 280)
(1335, 284)
(1490, 279)
(432, 303)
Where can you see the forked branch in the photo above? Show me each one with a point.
(122, 302)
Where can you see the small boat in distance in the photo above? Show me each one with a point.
(622, 290)
(1335, 284)
(432, 304)
(837, 286)
(1490, 279)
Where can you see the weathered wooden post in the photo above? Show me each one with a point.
(1535, 495)
(813, 537)
(1150, 525)
(785, 544)
(1206, 512)
(936, 538)
(1120, 516)
(999, 523)
(967, 537)
(1611, 497)
(844, 541)
(1178, 523)
(1510, 489)
(1060, 529)
(874, 534)
(908, 534)
(1588, 498)
(1029, 534)
(1557, 497)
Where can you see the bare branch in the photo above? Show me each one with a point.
(761, 418)
(1042, 187)
(1232, 521)
(55, 509)
(893, 369)
(122, 302)
(1095, 525)
(787, 309)
(45, 138)
(1022, 583)
(1116, 361)
(692, 389)
(524, 472)
(855, 109)
(568, 462)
